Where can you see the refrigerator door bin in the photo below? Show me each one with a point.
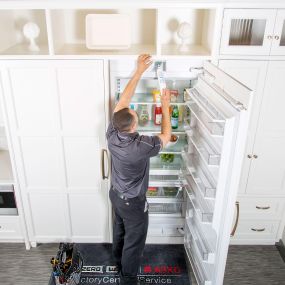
(215, 129)
(208, 108)
(203, 147)
(202, 271)
(203, 248)
(199, 207)
(201, 175)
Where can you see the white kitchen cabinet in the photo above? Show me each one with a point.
(264, 170)
(87, 212)
(278, 44)
(253, 74)
(267, 172)
(262, 188)
(49, 219)
(247, 31)
(58, 138)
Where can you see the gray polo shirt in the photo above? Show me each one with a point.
(130, 153)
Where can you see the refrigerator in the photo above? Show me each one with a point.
(194, 181)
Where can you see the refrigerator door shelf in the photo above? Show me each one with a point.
(199, 208)
(214, 129)
(203, 248)
(206, 151)
(207, 194)
(196, 96)
(202, 176)
(202, 270)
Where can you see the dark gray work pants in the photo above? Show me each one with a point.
(129, 235)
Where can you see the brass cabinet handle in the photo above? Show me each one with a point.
(249, 156)
(258, 230)
(104, 176)
(236, 222)
(255, 156)
(262, 208)
(276, 37)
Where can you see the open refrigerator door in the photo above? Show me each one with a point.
(194, 180)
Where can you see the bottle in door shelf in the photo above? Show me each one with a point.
(143, 115)
(157, 114)
(174, 117)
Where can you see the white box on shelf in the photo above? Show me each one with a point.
(108, 31)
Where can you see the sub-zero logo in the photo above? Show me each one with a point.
(94, 269)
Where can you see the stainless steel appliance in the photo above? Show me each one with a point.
(8, 204)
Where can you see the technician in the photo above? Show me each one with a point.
(130, 153)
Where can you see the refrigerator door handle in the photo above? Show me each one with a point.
(236, 222)
(104, 175)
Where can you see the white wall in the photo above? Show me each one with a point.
(283, 236)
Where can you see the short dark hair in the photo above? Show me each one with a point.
(123, 120)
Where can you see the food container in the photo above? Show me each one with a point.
(108, 31)
(152, 192)
(173, 141)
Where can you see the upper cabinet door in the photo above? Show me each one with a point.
(247, 31)
(278, 41)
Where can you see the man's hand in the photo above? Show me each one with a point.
(143, 63)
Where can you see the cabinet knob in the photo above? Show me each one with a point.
(255, 156)
(249, 156)
(276, 37)
(269, 37)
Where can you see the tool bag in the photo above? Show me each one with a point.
(67, 265)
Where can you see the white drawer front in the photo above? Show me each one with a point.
(259, 208)
(255, 230)
(10, 227)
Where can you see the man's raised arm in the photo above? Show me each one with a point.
(143, 63)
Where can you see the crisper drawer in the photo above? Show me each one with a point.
(203, 270)
(261, 208)
(10, 228)
(155, 193)
(172, 209)
(173, 227)
(256, 230)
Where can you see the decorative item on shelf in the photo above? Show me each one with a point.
(31, 31)
(108, 31)
(184, 32)
(143, 115)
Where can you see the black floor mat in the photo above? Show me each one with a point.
(161, 264)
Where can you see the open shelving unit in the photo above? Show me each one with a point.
(13, 41)
(153, 31)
